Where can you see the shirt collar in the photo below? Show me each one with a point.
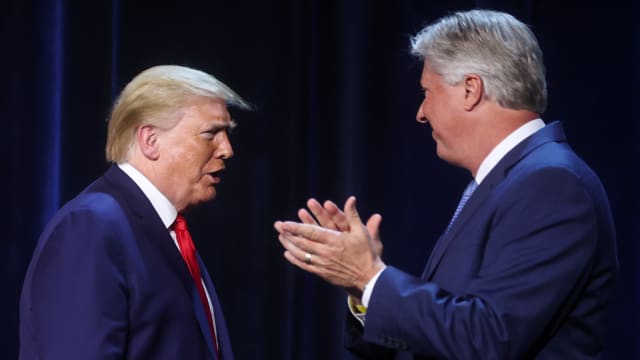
(506, 145)
(160, 203)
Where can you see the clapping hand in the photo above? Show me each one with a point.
(334, 244)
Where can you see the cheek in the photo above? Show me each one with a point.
(206, 158)
(187, 164)
(180, 154)
(202, 164)
(432, 106)
(194, 157)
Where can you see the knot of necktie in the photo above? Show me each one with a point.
(180, 224)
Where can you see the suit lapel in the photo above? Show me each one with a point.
(127, 192)
(224, 343)
(473, 204)
(198, 308)
(153, 229)
(550, 133)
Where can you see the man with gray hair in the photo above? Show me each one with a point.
(115, 273)
(525, 268)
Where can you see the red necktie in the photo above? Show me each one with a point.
(188, 251)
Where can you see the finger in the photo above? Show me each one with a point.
(278, 226)
(289, 242)
(337, 216)
(292, 248)
(301, 253)
(373, 225)
(351, 213)
(310, 232)
(299, 246)
(306, 218)
(321, 214)
(301, 264)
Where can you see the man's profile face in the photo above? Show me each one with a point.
(441, 108)
(193, 153)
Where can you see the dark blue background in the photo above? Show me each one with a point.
(336, 93)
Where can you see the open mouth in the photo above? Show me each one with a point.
(216, 175)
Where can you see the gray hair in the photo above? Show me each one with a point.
(494, 45)
(155, 96)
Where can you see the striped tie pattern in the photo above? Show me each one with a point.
(465, 196)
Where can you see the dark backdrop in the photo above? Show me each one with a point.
(335, 92)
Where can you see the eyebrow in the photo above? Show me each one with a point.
(219, 124)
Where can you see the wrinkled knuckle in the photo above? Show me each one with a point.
(313, 233)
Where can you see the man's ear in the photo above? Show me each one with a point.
(474, 89)
(147, 139)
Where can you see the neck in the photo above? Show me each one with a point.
(151, 171)
(492, 129)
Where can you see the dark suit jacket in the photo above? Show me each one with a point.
(525, 272)
(106, 281)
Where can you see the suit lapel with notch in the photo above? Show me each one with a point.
(129, 194)
(550, 133)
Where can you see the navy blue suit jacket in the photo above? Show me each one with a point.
(526, 271)
(106, 281)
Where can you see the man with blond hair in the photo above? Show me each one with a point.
(115, 273)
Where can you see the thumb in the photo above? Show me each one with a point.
(351, 213)
(373, 226)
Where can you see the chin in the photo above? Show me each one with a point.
(204, 196)
(445, 156)
(208, 197)
(210, 194)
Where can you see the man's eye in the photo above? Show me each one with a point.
(209, 134)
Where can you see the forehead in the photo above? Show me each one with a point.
(208, 110)
(427, 75)
(431, 79)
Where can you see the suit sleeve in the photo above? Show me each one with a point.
(366, 350)
(540, 245)
(78, 296)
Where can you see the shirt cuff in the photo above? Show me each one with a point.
(360, 311)
(368, 289)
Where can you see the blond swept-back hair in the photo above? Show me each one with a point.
(155, 97)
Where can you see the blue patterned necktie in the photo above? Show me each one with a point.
(465, 196)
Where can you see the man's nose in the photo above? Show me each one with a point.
(420, 117)
(224, 150)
